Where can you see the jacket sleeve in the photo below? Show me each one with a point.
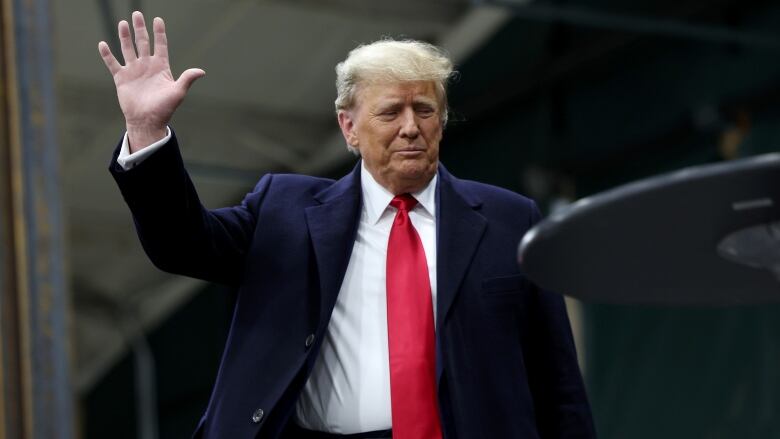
(178, 234)
(560, 400)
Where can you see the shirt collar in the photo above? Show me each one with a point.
(376, 198)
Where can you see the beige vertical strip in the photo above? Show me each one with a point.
(18, 224)
(3, 85)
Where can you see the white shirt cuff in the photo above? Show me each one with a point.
(128, 161)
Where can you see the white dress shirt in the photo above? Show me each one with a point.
(128, 161)
(348, 390)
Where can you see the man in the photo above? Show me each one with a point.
(387, 300)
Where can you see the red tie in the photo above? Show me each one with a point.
(410, 332)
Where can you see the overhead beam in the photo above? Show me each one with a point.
(667, 27)
(441, 12)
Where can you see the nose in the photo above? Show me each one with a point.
(409, 126)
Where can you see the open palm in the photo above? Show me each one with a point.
(147, 92)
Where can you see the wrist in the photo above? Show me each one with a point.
(139, 137)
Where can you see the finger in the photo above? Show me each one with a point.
(108, 58)
(160, 38)
(189, 76)
(141, 34)
(128, 52)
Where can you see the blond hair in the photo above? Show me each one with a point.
(389, 60)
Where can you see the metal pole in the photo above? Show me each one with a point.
(145, 388)
(145, 375)
(35, 392)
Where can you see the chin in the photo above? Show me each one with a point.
(419, 175)
(414, 169)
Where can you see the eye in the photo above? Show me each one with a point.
(388, 114)
(425, 111)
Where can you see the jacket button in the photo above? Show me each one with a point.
(257, 416)
(309, 340)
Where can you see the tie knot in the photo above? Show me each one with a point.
(404, 202)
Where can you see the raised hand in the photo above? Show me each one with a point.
(147, 92)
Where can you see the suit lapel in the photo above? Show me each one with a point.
(332, 227)
(460, 229)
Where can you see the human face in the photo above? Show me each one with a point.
(397, 129)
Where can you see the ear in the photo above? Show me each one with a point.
(347, 125)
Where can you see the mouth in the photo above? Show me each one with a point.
(409, 153)
(412, 150)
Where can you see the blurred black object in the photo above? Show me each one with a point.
(705, 235)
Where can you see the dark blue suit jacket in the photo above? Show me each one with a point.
(506, 362)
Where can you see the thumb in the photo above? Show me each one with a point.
(189, 76)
